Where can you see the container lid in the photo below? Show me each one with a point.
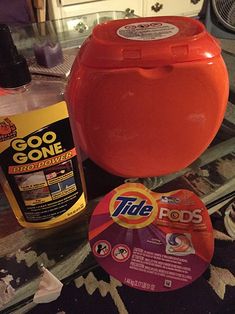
(148, 42)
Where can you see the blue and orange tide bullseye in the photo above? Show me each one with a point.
(133, 209)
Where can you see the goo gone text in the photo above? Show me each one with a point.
(36, 147)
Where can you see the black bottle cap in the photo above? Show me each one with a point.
(14, 70)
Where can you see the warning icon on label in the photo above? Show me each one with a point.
(121, 253)
(101, 248)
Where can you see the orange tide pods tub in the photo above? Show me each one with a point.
(147, 96)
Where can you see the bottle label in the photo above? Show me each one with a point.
(39, 161)
(147, 31)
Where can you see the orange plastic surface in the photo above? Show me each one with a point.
(138, 122)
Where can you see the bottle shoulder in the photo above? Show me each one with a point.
(38, 94)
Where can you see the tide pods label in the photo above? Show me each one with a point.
(147, 31)
(152, 241)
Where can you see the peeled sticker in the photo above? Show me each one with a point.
(229, 220)
(152, 241)
(49, 288)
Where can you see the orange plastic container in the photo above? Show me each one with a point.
(147, 95)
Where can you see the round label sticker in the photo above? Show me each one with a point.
(147, 31)
(152, 241)
(133, 209)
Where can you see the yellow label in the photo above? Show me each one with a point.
(39, 162)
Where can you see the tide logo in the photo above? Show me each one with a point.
(128, 206)
(133, 209)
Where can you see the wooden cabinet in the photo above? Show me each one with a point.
(68, 8)
(172, 7)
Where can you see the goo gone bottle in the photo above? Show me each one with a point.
(40, 172)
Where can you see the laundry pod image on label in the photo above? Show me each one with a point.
(152, 241)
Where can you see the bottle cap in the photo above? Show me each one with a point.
(14, 70)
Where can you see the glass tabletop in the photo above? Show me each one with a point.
(65, 250)
(70, 32)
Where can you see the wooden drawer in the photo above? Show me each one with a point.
(172, 7)
(65, 9)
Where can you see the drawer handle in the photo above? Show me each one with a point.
(195, 1)
(157, 7)
(129, 12)
(81, 27)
